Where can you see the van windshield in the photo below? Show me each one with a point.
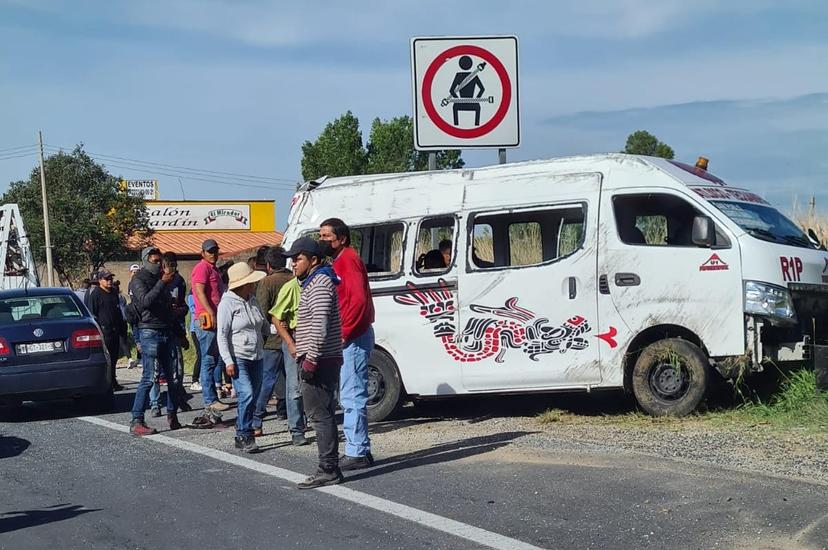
(765, 222)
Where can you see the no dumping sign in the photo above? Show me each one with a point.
(465, 92)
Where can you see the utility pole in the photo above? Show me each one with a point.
(812, 207)
(49, 267)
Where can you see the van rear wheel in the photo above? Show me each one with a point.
(385, 391)
(670, 377)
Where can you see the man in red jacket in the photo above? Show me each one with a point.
(356, 309)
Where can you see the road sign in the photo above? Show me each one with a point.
(465, 92)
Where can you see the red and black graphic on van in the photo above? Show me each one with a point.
(497, 330)
(714, 263)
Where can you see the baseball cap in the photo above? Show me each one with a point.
(103, 274)
(209, 244)
(134, 267)
(303, 244)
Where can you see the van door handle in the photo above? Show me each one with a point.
(627, 279)
(573, 288)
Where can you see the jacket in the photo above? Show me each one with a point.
(318, 329)
(266, 292)
(240, 327)
(355, 304)
(152, 301)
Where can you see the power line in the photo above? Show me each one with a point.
(235, 175)
(20, 147)
(192, 177)
(19, 156)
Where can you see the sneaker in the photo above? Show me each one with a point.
(246, 443)
(139, 428)
(219, 406)
(356, 462)
(195, 386)
(258, 432)
(321, 479)
(156, 411)
(172, 420)
(132, 363)
(299, 440)
(162, 380)
(116, 386)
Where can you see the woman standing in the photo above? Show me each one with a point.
(240, 327)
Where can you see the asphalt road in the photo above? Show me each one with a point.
(73, 481)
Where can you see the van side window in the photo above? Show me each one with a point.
(434, 252)
(656, 219)
(380, 247)
(533, 237)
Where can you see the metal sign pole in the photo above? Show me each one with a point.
(501, 156)
(432, 161)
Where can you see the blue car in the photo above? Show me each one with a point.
(50, 348)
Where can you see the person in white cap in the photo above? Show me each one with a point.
(241, 330)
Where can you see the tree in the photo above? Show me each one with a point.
(90, 218)
(391, 149)
(642, 142)
(339, 151)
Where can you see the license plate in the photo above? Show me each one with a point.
(40, 347)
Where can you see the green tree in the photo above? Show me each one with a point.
(90, 219)
(391, 149)
(337, 152)
(642, 142)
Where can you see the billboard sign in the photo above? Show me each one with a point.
(181, 216)
(146, 189)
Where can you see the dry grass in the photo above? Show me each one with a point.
(813, 220)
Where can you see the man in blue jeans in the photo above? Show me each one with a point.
(153, 306)
(356, 310)
(208, 288)
(274, 362)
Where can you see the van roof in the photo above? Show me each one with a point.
(602, 162)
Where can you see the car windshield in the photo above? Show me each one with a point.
(34, 308)
(765, 222)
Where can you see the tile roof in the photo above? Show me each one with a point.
(230, 243)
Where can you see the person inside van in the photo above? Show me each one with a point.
(445, 247)
(432, 259)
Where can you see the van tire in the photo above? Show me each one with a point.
(385, 391)
(670, 377)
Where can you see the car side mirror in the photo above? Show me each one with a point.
(704, 231)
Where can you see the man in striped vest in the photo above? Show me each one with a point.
(318, 340)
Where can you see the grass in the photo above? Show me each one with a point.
(795, 405)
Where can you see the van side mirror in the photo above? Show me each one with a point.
(704, 231)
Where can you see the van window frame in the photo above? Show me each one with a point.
(387, 275)
(472, 216)
(454, 249)
(720, 232)
(380, 275)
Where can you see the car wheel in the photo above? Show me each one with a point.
(385, 391)
(670, 377)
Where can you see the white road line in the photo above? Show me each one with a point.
(439, 523)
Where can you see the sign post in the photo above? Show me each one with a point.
(465, 93)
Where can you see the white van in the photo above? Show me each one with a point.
(605, 271)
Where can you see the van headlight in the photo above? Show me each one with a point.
(769, 301)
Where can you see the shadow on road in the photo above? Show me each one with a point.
(22, 519)
(445, 452)
(11, 446)
(65, 408)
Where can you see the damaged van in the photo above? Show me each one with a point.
(581, 273)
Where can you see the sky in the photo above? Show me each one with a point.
(238, 86)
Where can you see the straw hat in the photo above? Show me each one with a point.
(240, 274)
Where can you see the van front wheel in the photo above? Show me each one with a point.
(670, 377)
(385, 392)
